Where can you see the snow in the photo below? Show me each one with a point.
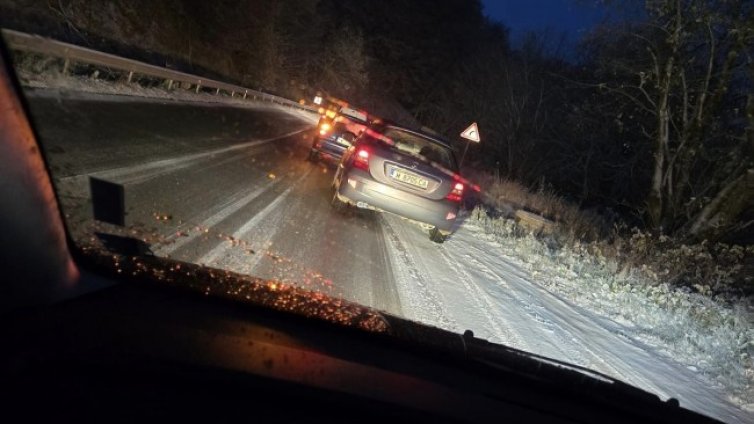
(519, 292)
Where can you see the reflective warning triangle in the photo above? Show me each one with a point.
(471, 133)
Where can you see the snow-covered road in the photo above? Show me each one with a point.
(470, 282)
(242, 198)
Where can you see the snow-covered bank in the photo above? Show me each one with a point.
(518, 291)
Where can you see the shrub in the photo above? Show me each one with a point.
(709, 268)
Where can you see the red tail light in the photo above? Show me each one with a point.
(456, 194)
(361, 159)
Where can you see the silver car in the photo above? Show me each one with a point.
(402, 171)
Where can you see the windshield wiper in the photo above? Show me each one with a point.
(510, 361)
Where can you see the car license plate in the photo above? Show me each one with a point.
(407, 178)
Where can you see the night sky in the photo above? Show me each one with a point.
(574, 17)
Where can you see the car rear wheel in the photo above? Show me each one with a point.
(436, 235)
(336, 178)
(313, 155)
(337, 205)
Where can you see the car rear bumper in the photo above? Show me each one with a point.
(358, 188)
(329, 146)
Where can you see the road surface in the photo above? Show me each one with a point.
(229, 187)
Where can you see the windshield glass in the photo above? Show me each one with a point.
(598, 211)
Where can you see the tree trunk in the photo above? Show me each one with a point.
(656, 199)
(718, 215)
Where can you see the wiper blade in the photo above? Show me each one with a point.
(512, 360)
(557, 363)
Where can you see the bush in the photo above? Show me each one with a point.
(712, 269)
(506, 196)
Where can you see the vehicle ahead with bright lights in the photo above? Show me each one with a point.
(336, 133)
(405, 172)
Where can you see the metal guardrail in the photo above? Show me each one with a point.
(71, 53)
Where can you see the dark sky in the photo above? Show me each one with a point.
(574, 17)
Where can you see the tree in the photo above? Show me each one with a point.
(682, 77)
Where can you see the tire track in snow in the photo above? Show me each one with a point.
(578, 348)
(234, 204)
(227, 256)
(149, 170)
(507, 334)
(569, 349)
(417, 300)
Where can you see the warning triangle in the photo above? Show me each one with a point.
(471, 133)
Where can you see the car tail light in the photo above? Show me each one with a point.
(456, 194)
(361, 159)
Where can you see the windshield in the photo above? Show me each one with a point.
(593, 204)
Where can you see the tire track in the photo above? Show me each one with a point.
(226, 256)
(149, 170)
(418, 298)
(578, 350)
(234, 204)
(508, 335)
(567, 346)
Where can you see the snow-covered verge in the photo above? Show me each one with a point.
(518, 290)
(714, 337)
(715, 269)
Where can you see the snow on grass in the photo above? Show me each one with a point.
(709, 336)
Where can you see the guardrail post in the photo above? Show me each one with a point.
(217, 92)
(170, 84)
(130, 77)
(65, 66)
(232, 94)
(245, 92)
(198, 86)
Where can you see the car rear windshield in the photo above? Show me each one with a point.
(421, 147)
(354, 115)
